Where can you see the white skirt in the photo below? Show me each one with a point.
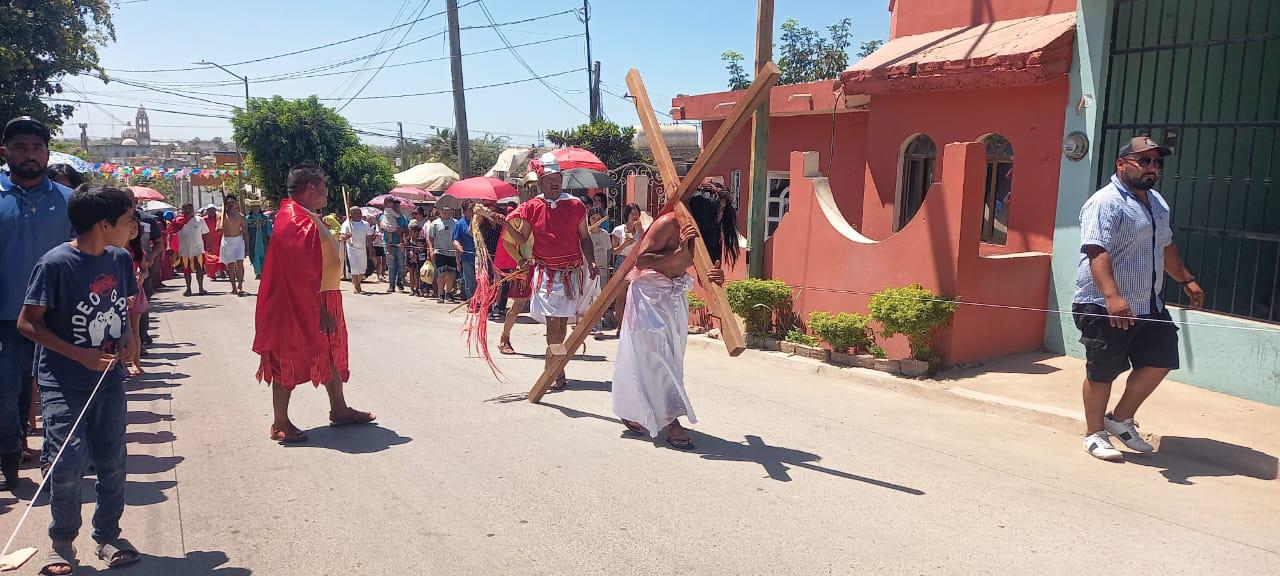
(648, 377)
(231, 249)
(552, 300)
(357, 261)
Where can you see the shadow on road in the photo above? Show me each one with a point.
(148, 464)
(583, 357)
(211, 563)
(360, 439)
(1184, 458)
(165, 306)
(776, 460)
(147, 417)
(161, 437)
(146, 396)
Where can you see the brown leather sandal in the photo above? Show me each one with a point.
(353, 417)
(505, 348)
(287, 438)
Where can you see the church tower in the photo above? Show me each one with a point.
(143, 125)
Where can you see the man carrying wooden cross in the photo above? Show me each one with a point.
(648, 379)
(562, 286)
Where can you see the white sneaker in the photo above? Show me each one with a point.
(1098, 446)
(1127, 432)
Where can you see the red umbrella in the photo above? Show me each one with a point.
(578, 158)
(145, 193)
(481, 188)
(414, 194)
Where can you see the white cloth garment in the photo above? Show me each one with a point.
(191, 237)
(231, 249)
(551, 300)
(357, 260)
(648, 378)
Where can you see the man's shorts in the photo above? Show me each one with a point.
(445, 262)
(1109, 351)
(379, 251)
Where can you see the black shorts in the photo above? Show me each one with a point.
(379, 251)
(1109, 351)
(445, 262)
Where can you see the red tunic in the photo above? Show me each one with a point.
(288, 315)
(555, 230)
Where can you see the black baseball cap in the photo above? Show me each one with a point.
(25, 125)
(1142, 144)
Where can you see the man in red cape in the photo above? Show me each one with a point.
(301, 331)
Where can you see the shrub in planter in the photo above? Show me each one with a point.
(913, 312)
(844, 332)
(797, 336)
(698, 315)
(756, 301)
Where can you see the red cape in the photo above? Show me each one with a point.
(288, 314)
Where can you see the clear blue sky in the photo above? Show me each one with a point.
(676, 44)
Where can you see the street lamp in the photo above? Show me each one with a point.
(244, 79)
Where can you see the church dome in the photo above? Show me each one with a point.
(128, 142)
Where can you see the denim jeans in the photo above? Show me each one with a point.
(395, 267)
(468, 279)
(100, 436)
(17, 361)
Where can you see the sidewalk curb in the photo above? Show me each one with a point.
(947, 392)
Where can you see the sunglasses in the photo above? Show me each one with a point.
(1146, 161)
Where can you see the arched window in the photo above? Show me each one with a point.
(995, 215)
(918, 157)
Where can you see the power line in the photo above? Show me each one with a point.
(135, 107)
(522, 62)
(301, 74)
(628, 99)
(383, 65)
(349, 83)
(435, 92)
(295, 52)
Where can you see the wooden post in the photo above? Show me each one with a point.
(758, 216)
(732, 125)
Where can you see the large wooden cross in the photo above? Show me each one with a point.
(682, 189)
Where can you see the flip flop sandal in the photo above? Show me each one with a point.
(635, 428)
(59, 555)
(353, 417)
(286, 438)
(560, 384)
(505, 348)
(118, 553)
(680, 443)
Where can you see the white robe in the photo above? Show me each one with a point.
(648, 378)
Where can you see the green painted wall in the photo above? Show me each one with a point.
(1238, 357)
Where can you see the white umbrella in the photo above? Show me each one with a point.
(430, 176)
(157, 206)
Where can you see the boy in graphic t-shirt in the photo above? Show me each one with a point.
(76, 311)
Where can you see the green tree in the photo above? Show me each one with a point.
(868, 47)
(278, 134)
(442, 147)
(833, 55)
(610, 143)
(40, 43)
(798, 53)
(738, 79)
(364, 172)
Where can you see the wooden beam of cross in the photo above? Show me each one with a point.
(682, 189)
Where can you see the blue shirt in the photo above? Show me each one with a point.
(1135, 236)
(462, 235)
(31, 222)
(87, 301)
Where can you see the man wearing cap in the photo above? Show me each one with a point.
(33, 220)
(564, 268)
(1126, 248)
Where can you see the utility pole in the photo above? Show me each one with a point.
(459, 98)
(757, 218)
(401, 159)
(597, 106)
(245, 79)
(84, 138)
(593, 78)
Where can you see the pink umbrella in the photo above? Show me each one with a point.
(145, 193)
(481, 188)
(578, 158)
(380, 201)
(414, 194)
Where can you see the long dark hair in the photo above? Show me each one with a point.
(626, 212)
(720, 237)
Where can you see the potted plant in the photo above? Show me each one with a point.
(756, 301)
(847, 334)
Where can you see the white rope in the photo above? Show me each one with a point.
(57, 457)
(1052, 311)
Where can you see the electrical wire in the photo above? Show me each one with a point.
(434, 92)
(350, 81)
(384, 63)
(295, 52)
(522, 62)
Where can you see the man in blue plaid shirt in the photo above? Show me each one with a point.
(1126, 248)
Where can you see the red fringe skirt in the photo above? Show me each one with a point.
(319, 370)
